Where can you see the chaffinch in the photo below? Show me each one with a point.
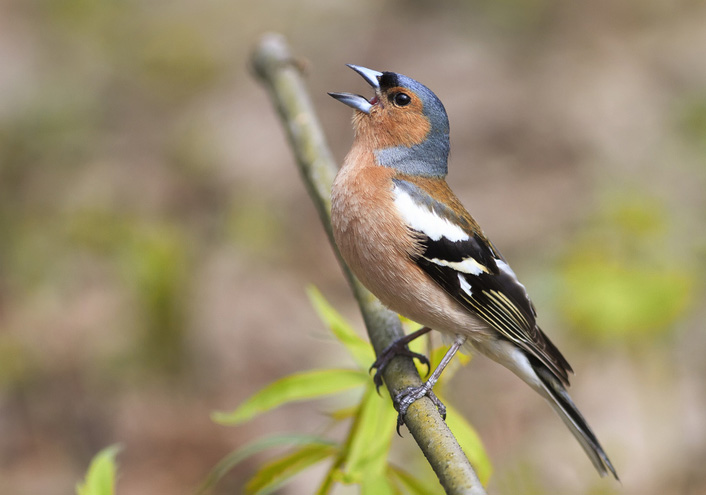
(411, 242)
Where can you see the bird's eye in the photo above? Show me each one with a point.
(401, 99)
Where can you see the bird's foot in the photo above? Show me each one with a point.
(409, 395)
(397, 348)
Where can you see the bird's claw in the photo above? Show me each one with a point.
(397, 348)
(409, 395)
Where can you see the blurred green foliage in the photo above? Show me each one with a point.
(119, 73)
(621, 280)
(692, 119)
(362, 458)
(159, 49)
(152, 259)
(157, 265)
(255, 227)
(16, 365)
(516, 14)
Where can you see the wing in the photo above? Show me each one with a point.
(456, 255)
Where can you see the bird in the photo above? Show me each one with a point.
(411, 242)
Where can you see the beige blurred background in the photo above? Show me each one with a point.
(156, 241)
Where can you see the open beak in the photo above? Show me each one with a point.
(356, 101)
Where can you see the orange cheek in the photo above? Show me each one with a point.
(391, 126)
(409, 127)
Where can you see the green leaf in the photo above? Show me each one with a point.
(470, 442)
(460, 359)
(435, 357)
(415, 485)
(360, 349)
(299, 386)
(370, 437)
(100, 478)
(377, 484)
(344, 413)
(236, 457)
(275, 473)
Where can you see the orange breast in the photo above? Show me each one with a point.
(377, 246)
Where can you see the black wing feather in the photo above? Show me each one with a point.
(496, 297)
(489, 289)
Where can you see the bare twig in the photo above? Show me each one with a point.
(280, 74)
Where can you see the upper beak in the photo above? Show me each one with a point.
(356, 101)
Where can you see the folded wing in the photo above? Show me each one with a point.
(456, 255)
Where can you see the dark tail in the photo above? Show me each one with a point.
(561, 402)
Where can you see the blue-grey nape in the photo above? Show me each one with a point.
(433, 108)
(430, 157)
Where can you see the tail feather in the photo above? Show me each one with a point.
(560, 401)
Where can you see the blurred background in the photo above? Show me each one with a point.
(156, 241)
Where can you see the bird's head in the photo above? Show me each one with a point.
(404, 123)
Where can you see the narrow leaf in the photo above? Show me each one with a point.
(435, 356)
(460, 359)
(415, 485)
(419, 345)
(369, 442)
(100, 478)
(470, 442)
(377, 484)
(361, 350)
(236, 457)
(299, 386)
(275, 473)
(344, 413)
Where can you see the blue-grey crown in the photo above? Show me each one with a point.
(429, 158)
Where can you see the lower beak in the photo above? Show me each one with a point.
(356, 101)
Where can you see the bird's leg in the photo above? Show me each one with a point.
(409, 395)
(398, 348)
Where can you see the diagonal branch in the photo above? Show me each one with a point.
(279, 73)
